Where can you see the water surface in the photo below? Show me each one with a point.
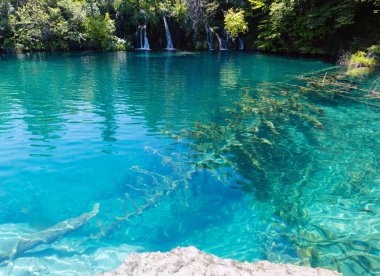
(125, 130)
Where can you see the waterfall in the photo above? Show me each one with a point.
(222, 43)
(143, 42)
(209, 37)
(169, 45)
(146, 42)
(241, 43)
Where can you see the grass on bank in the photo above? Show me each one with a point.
(362, 62)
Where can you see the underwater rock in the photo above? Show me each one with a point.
(191, 261)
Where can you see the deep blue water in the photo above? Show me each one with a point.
(80, 129)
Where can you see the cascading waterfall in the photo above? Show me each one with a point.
(169, 45)
(143, 42)
(241, 43)
(222, 43)
(209, 37)
(146, 42)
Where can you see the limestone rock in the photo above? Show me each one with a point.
(190, 261)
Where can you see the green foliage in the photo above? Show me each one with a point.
(178, 10)
(200, 12)
(28, 26)
(99, 31)
(374, 50)
(37, 26)
(175, 9)
(362, 63)
(6, 9)
(119, 45)
(257, 4)
(127, 45)
(361, 59)
(75, 13)
(311, 26)
(234, 22)
(302, 26)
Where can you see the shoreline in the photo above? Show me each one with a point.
(326, 58)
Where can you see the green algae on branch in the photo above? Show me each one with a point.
(340, 85)
(250, 143)
(251, 131)
(264, 117)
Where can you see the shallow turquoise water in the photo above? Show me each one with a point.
(110, 128)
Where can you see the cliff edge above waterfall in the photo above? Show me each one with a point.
(191, 261)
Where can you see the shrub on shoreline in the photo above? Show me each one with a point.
(361, 59)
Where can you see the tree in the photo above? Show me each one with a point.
(99, 31)
(234, 22)
(6, 9)
(200, 12)
(322, 27)
(297, 26)
(30, 25)
(75, 13)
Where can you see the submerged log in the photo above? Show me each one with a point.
(49, 235)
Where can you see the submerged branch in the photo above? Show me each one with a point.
(50, 235)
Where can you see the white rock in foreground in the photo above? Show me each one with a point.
(191, 261)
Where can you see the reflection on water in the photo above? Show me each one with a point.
(121, 130)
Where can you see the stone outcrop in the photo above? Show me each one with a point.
(191, 261)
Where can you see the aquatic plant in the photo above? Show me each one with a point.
(259, 136)
(251, 128)
(338, 85)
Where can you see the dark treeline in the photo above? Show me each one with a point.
(287, 26)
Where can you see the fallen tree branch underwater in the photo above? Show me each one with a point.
(49, 235)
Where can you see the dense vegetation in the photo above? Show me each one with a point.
(287, 26)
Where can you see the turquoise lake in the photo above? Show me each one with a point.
(158, 141)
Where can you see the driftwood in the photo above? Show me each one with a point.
(49, 235)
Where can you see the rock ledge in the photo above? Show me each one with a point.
(191, 261)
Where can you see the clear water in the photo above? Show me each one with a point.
(83, 128)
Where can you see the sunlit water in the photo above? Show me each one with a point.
(84, 128)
